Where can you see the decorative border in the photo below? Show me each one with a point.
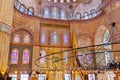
(5, 28)
(54, 25)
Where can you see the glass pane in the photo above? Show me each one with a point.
(68, 0)
(16, 38)
(55, 0)
(63, 15)
(86, 16)
(42, 76)
(55, 13)
(62, 1)
(24, 77)
(30, 11)
(67, 76)
(77, 16)
(26, 55)
(43, 37)
(91, 76)
(13, 76)
(22, 8)
(46, 13)
(26, 39)
(14, 56)
(74, 0)
(54, 38)
(65, 38)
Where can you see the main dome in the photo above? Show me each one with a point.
(61, 9)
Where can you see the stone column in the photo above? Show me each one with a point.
(6, 19)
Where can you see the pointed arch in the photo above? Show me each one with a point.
(22, 35)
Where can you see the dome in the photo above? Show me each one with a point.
(61, 9)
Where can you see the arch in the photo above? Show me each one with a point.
(23, 28)
(99, 34)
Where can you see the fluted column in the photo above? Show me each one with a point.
(6, 19)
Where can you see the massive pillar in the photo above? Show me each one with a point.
(6, 18)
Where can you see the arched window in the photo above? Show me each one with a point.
(43, 37)
(77, 16)
(74, 0)
(46, 13)
(42, 60)
(17, 4)
(67, 76)
(67, 1)
(26, 39)
(65, 38)
(14, 56)
(30, 11)
(16, 38)
(54, 38)
(63, 15)
(62, 1)
(55, 13)
(22, 8)
(26, 56)
(86, 15)
(55, 1)
(93, 13)
(108, 55)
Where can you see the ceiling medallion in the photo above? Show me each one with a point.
(86, 1)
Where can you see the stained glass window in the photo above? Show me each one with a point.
(16, 38)
(42, 76)
(46, 13)
(77, 16)
(54, 38)
(91, 76)
(63, 15)
(62, 1)
(86, 16)
(43, 37)
(30, 11)
(93, 13)
(68, 1)
(55, 0)
(14, 56)
(22, 8)
(55, 13)
(89, 59)
(74, 0)
(17, 4)
(65, 38)
(67, 76)
(26, 56)
(26, 39)
(42, 60)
